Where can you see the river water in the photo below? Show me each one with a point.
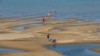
(10, 50)
(75, 49)
(85, 9)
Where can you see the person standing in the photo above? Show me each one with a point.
(48, 37)
(43, 19)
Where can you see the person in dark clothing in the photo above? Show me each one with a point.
(54, 41)
(51, 40)
(48, 37)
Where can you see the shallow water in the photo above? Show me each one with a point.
(25, 26)
(10, 50)
(86, 9)
(75, 49)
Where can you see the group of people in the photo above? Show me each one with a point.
(43, 20)
(50, 40)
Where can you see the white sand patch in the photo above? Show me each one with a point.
(65, 41)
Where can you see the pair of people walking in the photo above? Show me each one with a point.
(51, 40)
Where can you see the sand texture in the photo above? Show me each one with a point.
(32, 39)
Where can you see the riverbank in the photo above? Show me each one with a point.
(96, 50)
(32, 39)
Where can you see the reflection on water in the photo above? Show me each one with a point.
(9, 50)
(75, 49)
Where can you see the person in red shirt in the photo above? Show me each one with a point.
(43, 19)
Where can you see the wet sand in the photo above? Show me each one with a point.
(33, 39)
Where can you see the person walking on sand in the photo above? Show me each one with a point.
(43, 19)
(48, 37)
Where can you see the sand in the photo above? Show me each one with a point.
(33, 39)
(96, 49)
